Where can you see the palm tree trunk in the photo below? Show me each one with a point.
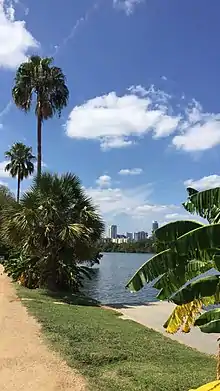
(39, 126)
(19, 185)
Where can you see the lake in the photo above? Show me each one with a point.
(110, 277)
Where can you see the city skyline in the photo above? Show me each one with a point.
(136, 235)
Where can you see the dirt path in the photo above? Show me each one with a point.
(26, 364)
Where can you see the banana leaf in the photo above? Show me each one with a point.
(154, 268)
(205, 203)
(173, 280)
(213, 386)
(200, 239)
(161, 264)
(171, 231)
(204, 287)
(211, 327)
(207, 317)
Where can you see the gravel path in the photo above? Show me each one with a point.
(26, 363)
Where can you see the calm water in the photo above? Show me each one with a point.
(108, 283)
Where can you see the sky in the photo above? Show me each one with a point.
(143, 119)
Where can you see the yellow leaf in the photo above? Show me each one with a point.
(213, 386)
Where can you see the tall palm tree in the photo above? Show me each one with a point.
(21, 163)
(37, 79)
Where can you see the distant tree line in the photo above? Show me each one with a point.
(141, 246)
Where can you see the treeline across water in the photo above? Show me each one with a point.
(141, 246)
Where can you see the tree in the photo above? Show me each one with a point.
(7, 201)
(38, 79)
(190, 249)
(21, 163)
(56, 229)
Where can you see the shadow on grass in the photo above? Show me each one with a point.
(131, 305)
(71, 298)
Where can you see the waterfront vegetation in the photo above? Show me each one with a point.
(190, 249)
(50, 231)
(114, 354)
(141, 246)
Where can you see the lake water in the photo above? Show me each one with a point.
(111, 276)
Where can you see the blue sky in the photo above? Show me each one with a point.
(143, 116)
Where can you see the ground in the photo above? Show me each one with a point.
(105, 352)
(26, 363)
(155, 314)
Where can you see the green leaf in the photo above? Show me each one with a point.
(212, 327)
(171, 231)
(200, 239)
(207, 317)
(204, 287)
(205, 203)
(153, 268)
(173, 280)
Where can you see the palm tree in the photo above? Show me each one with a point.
(57, 229)
(38, 79)
(21, 163)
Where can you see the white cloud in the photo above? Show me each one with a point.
(206, 182)
(116, 201)
(3, 183)
(130, 171)
(115, 142)
(178, 216)
(3, 173)
(15, 39)
(132, 209)
(104, 181)
(127, 6)
(116, 120)
(120, 121)
(199, 131)
(164, 78)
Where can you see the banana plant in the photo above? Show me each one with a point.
(190, 250)
(213, 386)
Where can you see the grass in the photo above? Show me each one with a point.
(114, 354)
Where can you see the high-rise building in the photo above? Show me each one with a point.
(136, 236)
(155, 226)
(129, 235)
(113, 231)
(142, 235)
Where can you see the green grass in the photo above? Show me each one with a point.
(114, 354)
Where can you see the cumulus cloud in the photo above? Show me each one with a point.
(132, 207)
(128, 6)
(178, 216)
(204, 183)
(104, 181)
(115, 120)
(3, 173)
(15, 39)
(130, 171)
(120, 121)
(116, 201)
